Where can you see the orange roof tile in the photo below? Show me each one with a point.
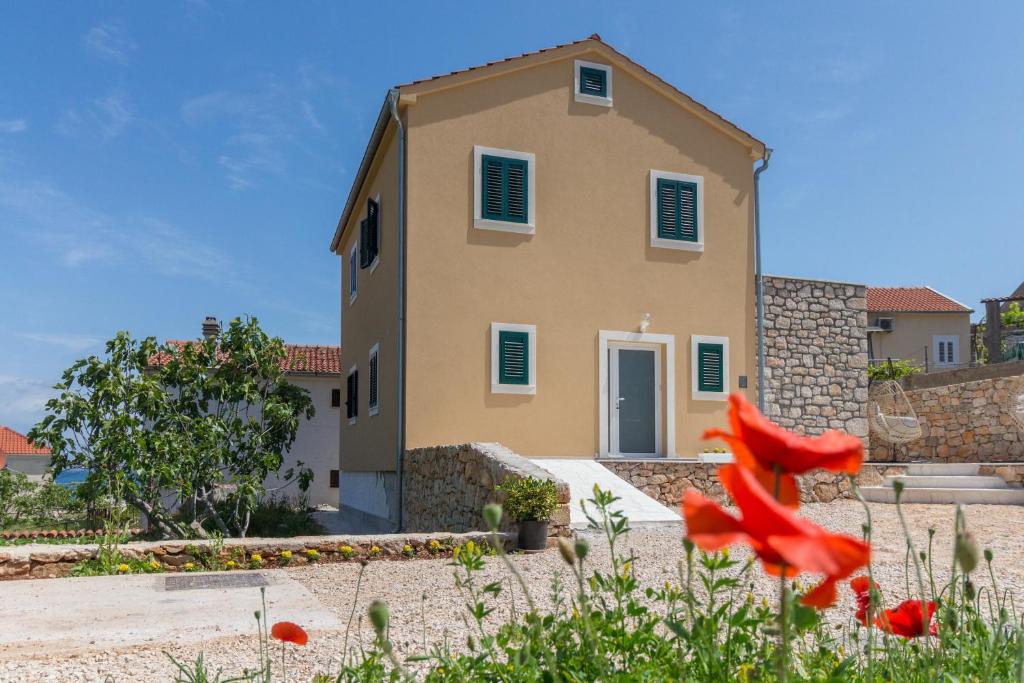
(299, 358)
(13, 443)
(912, 300)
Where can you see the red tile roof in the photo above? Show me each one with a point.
(13, 443)
(299, 358)
(912, 300)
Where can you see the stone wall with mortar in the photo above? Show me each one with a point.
(816, 355)
(964, 422)
(666, 480)
(42, 561)
(446, 487)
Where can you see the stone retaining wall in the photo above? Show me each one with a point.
(53, 561)
(446, 487)
(666, 480)
(965, 422)
(816, 355)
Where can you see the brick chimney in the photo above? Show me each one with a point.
(211, 326)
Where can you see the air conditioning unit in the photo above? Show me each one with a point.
(887, 324)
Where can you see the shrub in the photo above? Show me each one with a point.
(529, 498)
(892, 370)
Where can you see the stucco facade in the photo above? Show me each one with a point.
(915, 336)
(584, 274)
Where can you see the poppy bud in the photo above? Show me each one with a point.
(988, 554)
(966, 552)
(567, 552)
(492, 515)
(969, 591)
(582, 548)
(379, 616)
(897, 486)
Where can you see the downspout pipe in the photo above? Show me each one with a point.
(759, 280)
(400, 334)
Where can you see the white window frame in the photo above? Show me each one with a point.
(604, 337)
(593, 99)
(374, 408)
(662, 242)
(355, 418)
(496, 386)
(380, 218)
(942, 339)
(353, 274)
(696, 393)
(527, 228)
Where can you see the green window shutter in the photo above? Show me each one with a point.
(513, 357)
(710, 367)
(504, 189)
(373, 381)
(364, 243)
(593, 81)
(677, 210)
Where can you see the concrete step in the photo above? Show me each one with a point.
(949, 496)
(942, 469)
(948, 482)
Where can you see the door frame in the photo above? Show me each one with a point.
(613, 381)
(667, 446)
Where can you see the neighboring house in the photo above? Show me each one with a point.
(19, 455)
(920, 325)
(318, 370)
(578, 275)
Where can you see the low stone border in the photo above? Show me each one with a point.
(61, 533)
(50, 561)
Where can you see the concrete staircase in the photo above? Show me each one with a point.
(954, 483)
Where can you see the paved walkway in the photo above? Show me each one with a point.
(581, 475)
(106, 612)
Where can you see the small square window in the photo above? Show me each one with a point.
(593, 83)
(513, 358)
(335, 478)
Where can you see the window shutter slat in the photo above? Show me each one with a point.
(710, 361)
(513, 357)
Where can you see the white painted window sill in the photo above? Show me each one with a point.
(513, 389)
(504, 226)
(594, 99)
(681, 245)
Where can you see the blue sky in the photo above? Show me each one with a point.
(164, 161)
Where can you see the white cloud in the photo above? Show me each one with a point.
(109, 40)
(23, 401)
(82, 235)
(71, 342)
(104, 118)
(13, 125)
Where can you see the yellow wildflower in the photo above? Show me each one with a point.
(470, 546)
(230, 564)
(123, 568)
(153, 564)
(407, 549)
(374, 550)
(435, 545)
(286, 554)
(256, 557)
(313, 552)
(456, 550)
(190, 565)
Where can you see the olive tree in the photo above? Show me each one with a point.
(183, 433)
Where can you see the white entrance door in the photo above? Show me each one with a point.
(634, 400)
(946, 350)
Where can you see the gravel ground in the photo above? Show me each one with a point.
(425, 604)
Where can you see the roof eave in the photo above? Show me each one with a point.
(383, 118)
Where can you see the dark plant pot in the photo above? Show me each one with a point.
(533, 535)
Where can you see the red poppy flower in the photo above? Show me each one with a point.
(782, 541)
(903, 621)
(287, 632)
(761, 445)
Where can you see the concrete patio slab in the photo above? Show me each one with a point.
(108, 612)
(581, 475)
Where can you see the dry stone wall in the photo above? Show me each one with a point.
(965, 422)
(666, 480)
(446, 487)
(816, 355)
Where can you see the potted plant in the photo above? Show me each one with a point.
(530, 502)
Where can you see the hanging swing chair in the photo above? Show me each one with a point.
(890, 416)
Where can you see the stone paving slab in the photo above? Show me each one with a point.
(107, 612)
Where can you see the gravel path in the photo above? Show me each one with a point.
(425, 603)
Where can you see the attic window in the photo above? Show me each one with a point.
(593, 83)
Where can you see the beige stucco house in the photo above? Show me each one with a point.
(919, 325)
(554, 252)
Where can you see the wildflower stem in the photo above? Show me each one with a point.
(870, 618)
(925, 621)
(352, 614)
(783, 611)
